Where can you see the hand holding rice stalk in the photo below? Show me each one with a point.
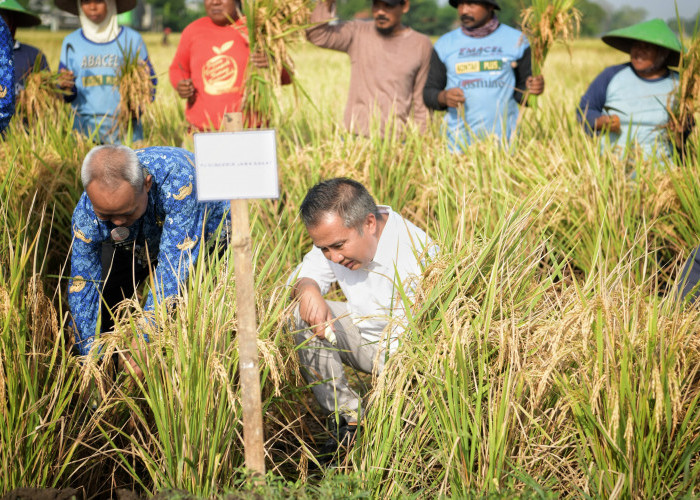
(40, 98)
(135, 85)
(272, 26)
(685, 102)
(545, 23)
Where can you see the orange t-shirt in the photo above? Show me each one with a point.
(215, 58)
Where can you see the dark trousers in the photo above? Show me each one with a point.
(122, 274)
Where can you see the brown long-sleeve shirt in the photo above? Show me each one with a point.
(387, 73)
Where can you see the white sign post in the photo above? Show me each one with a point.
(238, 166)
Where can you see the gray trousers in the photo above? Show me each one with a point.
(322, 362)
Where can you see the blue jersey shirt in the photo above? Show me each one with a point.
(95, 66)
(7, 78)
(641, 104)
(171, 228)
(483, 69)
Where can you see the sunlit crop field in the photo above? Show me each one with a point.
(545, 355)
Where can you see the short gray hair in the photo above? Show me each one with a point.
(344, 197)
(111, 165)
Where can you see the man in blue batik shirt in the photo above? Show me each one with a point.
(480, 73)
(7, 78)
(138, 215)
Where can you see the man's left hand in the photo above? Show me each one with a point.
(535, 84)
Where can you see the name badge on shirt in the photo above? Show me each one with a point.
(478, 66)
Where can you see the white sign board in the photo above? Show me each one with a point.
(236, 165)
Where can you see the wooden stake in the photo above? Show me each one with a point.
(247, 328)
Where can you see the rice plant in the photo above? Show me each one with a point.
(686, 100)
(544, 352)
(545, 23)
(272, 27)
(136, 90)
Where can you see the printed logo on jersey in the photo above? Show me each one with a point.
(479, 51)
(478, 66)
(480, 83)
(98, 80)
(100, 61)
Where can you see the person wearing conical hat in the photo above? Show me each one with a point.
(91, 58)
(27, 57)
(630, 101)
(480, 73)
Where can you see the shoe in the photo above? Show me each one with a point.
(342, 438)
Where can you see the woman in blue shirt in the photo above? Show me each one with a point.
(631, 100)
(91, 58)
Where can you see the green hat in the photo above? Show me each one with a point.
(23, 18)
(655, 32)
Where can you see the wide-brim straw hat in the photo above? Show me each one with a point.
(72, 5)
(22, 17)
(655, 31)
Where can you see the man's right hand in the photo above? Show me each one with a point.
(313, 308)
(185, 88)
(608, 122)
(452, 98)
(66, 79)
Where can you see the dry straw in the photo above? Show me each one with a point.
(686, 100)
(41, 97)
(546, 23)
(272, 26)
(136, 89)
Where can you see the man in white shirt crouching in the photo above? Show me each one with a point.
(367, 250)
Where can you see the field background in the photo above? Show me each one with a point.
(545, 354)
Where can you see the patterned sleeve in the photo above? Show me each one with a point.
(86, 272)
(7, 77)
(182, 231)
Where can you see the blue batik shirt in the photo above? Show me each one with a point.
(7, 78)
(483, 69)
(172, 228)
(95, 96)
(641, 104)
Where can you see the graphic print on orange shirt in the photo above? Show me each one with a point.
(220, 72)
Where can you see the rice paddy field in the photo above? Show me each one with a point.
(546, 354)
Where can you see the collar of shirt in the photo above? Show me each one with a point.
(385, 256)
(17, 45)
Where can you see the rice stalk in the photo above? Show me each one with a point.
(40, 98)
(136, 89)
(685, 101)
(273, 26)
(545, 23)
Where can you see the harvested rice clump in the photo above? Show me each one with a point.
(40, 98)
(685, 102)
(136, 89)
